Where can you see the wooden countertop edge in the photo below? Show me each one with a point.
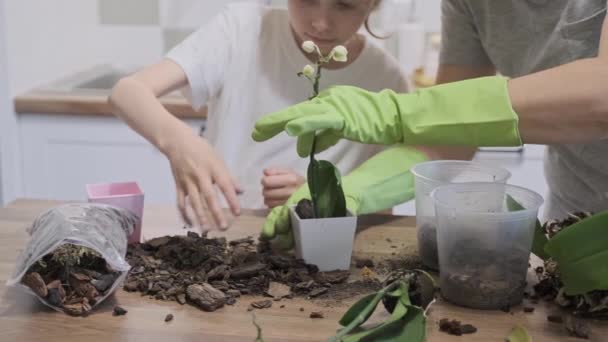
(90, 104)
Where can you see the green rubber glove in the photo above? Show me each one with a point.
(474, 112)
(380, 183)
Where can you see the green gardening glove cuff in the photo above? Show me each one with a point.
(474, 112)
(384, 180)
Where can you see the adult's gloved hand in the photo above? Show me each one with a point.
(474, 112)
(380, 183)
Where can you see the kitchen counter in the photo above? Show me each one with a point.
(22, 318)
(86, 93)
(80, 102)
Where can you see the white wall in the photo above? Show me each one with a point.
(47, 40)
(9, 166)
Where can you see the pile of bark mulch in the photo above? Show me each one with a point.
(72, 279)
(212, 272)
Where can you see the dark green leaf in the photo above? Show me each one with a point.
(540, 239)
(357, 308)
(361, 311)
(325, 186)
(396, 293)
(399, 311)
(313, 187)
(581, 254)
(405, 294)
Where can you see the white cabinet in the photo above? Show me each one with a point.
(62, 153)
(9, 171)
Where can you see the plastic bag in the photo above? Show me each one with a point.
(104, 229)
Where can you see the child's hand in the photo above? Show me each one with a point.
(278, 185)
(197, 168)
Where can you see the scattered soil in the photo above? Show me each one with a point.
(454, 327)
(555, 319)
(212, 272)
(361, 263)
(316, 314)
(528, 309)
(411, 261)
(119, 311)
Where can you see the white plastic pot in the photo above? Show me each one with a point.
(326, 243)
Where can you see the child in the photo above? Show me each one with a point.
(242, 64)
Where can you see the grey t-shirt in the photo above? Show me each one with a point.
(520, 37)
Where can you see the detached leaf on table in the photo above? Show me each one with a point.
(519, 334)
(410, 328)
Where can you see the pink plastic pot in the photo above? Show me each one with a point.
(123, 195)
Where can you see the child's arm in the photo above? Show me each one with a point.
(195, 165)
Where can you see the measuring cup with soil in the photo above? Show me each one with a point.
(483, 247)
(430, 175)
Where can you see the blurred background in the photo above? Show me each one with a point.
(58, 60)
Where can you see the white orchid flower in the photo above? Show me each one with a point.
(339, 53)
(308, 71)
(309, 46)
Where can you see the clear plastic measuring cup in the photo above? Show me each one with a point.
(430, 175)
(484, 246)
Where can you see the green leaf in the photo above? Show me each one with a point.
(540, 239)
(405, 294)
(519, 334)
(399, 311)
(359, 307)
(361, 311)
(325, 186)
(313, 187)
(410, 328)
(581, 254)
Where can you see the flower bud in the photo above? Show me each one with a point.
(308, 71)
(339, 53)
(309, 46)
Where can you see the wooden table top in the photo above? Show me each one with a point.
(23, 318)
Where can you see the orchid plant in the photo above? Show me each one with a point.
(324, 181)
(408, 320)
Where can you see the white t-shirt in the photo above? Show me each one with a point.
(243, 64)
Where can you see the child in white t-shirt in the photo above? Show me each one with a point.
(242, 64)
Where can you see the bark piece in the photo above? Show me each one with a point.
(34, 281)
(278, 291)
(262, 304)
(206, 296)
